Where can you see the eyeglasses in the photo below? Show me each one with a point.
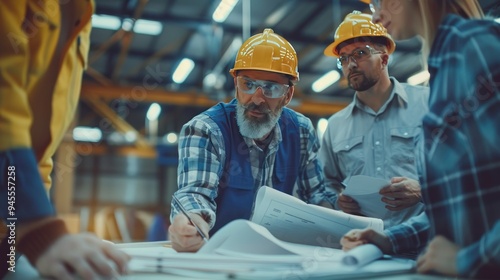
(270, 89)
(375, 5)
(357, 55)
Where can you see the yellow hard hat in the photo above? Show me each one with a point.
(357, 25)
(366, 1)
(267, 51)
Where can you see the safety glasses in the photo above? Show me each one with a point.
(357, 55)
(270, 89)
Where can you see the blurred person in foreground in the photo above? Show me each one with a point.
(460, 184)
(375, 134)
(43, 52)
(229, 151)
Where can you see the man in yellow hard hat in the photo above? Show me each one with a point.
(229, 151)
(374, 135)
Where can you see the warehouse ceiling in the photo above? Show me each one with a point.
(129, 70)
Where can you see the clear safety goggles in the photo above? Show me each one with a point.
(269, 89)
(357, 55)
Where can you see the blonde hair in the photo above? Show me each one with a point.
(433, 12)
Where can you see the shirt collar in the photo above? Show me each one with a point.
(277, 138)
(397, 90)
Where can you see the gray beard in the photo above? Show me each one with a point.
(256, 129)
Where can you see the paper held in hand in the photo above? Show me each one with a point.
(365, 190)
(291, 219)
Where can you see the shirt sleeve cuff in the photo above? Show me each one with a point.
(30, 200)
(207, 215)
(37, 241)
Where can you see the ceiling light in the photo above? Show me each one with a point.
(87, 134)
(321, 128)
(130, 136)
(142, 26)
(148, 27)
(127, 24)
(153, 112)
(183, 70)
(325, 81)
(419, 78)
(210, 80)
(223, 10)
(106, 22)
(171, 138)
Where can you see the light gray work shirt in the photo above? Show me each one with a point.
(359, 141)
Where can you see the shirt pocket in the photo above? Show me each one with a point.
(351, 158)
(403, 148)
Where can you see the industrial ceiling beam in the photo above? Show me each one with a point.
(127, 39)
(101, 108)
(140, 94)
(168, 49)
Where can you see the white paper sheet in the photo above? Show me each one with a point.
(365, 190)
(290, 219)
(243, 249)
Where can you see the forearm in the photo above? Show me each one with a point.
(313, 189)
(22, 187)
(335, 187)
(481, 258)
(409, 236)
(197, 190)
(25, 206)
(195, 200)
(311, 181)
(332, 173)
(36, 236)
(201, 155)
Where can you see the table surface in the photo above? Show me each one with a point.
(25, 271)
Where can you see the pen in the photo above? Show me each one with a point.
(189, 218)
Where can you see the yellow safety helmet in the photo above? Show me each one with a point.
(357, 25)
(267, 51)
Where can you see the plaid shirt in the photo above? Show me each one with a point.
(201, 147)
(461, 170)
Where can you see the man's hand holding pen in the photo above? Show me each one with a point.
(188, 231)
(183, 234)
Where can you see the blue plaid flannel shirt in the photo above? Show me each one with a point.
(461, 162)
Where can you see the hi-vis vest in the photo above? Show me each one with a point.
(236, 191)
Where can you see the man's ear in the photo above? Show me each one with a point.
(235, 87)
(289, 95)
(385, 60)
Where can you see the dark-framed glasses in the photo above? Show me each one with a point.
(270, 89)
(357, 55)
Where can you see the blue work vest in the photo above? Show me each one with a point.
(236, 191)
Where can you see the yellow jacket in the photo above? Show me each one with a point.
(43, 52)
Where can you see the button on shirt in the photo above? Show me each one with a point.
(359, 141)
